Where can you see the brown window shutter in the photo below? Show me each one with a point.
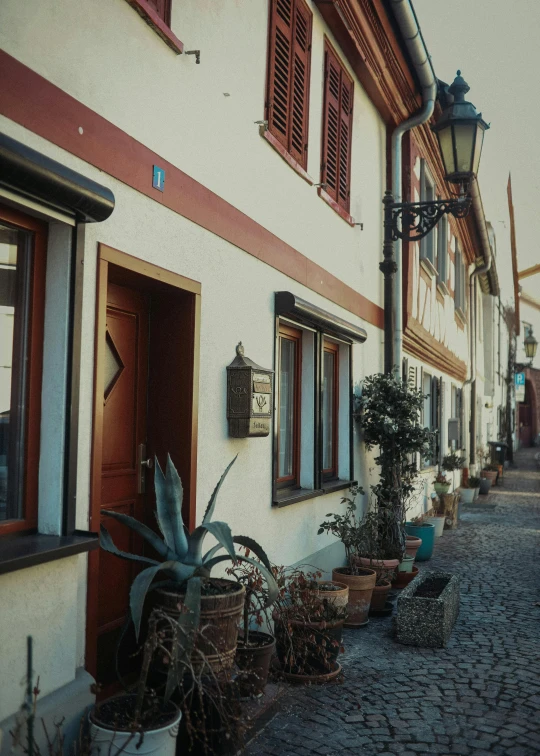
(345, 134)
(300, 83)
(279, 69)
(163, 9)
(330, 149)
(337, 129)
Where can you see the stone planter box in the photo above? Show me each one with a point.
(427, 610)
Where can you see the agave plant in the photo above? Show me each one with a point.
(180, 551)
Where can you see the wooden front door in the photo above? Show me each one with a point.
(125, 377)
(525, 425)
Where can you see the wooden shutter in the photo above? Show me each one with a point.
(405, 370)
(337, 130)
(163, 9)
(300, 83)
(288, 75)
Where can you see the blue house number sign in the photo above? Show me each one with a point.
(158, 178)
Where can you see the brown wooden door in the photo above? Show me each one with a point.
(525, 425)
(124, 430)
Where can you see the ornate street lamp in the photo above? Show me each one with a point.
(460, 132)
(531, 345)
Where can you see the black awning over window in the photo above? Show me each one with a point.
(28, 172)
(289, 304)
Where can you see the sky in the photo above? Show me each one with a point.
(496, 45)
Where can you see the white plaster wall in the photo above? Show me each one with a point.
(39, 601)
(102, 53)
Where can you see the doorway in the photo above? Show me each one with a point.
(145, 405)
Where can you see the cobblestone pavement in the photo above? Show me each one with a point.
(478, 696)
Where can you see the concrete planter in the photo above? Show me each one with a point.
(427, 610)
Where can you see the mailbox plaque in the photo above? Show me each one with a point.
(249, 397)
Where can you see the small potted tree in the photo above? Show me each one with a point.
(489, 471)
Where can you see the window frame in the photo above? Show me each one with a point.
(459, 280)
(442, 253)
(291, 334)
(161, 26)
(330, 195)
(331, 473)
(34, 370)
(283, 142)
(430, 242)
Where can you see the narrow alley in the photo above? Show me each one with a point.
(480, 695)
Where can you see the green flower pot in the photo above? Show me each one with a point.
(426, 532)
(441, 488)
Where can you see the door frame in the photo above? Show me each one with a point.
(126, 266)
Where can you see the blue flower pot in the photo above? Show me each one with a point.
(426, 532)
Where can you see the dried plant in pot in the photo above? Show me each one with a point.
(188, 590)
(308, 628)
(255, 648)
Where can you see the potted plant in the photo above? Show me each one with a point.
(308, 628)
(255, 647)
(142, 721)
(389, 415)
(485, 485)
(402, 579)
(451, 462)
(359, 580)
(412, 544)
(474, 482)
(190, 595)
(334, 592)
(381, 591)
(441, 484)
(425, 531)
(488, 470)
(468, 491)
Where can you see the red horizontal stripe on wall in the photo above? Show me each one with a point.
(35, 103)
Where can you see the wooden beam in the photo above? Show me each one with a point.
(532, 271)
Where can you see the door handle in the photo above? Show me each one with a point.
(142, 466)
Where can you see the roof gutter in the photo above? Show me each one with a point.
(407, 22)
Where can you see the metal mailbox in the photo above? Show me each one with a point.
(249, 397)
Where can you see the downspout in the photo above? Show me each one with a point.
(410, 31)
(486, 249)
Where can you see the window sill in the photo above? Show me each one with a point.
(19, 552)
(428, 266)
(330, 486)
(443, 288)
(460, 317)
(148, 14)
(335, 206)
(292, 496)
(287, 157)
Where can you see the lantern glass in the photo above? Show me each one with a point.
(464, 134)
(477, 148)
(531, 345)
(447, 149)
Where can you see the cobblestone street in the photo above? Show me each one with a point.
(480, 695)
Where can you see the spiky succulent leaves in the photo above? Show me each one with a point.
(139, 588)
(169, 497)
(144, 531)
(188, 624)
(221, 532)
(247, 543)
(212, 503)
(107, 543)
(270, 580)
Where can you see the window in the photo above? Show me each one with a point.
(442, 251)
(432, 389)
(312, 419)
(288, 414)
(427, 194)
(330, 405)
(287, 98)
(337, 130)
(459, 285)
(22, 275)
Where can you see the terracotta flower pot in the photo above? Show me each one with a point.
(403, 579)
(413, 543)
(490, 475)
(337, 595)
(379, 596)
(254, 662)
(381, 566)
(360, 590)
